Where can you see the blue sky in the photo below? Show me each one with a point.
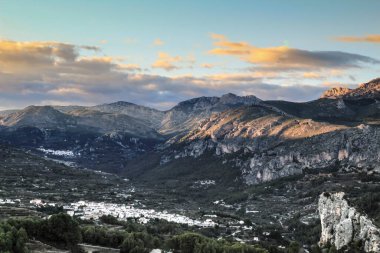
(163, 43)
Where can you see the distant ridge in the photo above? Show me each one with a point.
(370, 89)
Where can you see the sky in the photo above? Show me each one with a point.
(157, 53)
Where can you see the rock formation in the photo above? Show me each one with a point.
(342, 224)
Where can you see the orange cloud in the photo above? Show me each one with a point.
(216, 36)
(334, 84)
(130, 67)
(248, 52)
(241, 77)
(68, 90)
(372, 38)
(158, 42)
(18, 56)
(207, 65)
(286, 58)
(26, 57)
(311, 75)
(167, 62)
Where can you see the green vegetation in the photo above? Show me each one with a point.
(307, 234)
(12, 239)
(59, 230)
(261, 214)
(368, 202)
(195, 243)
(64, 232)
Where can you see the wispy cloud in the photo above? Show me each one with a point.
(158, 42)
(286, 58)
(372, 38)
(130, 67)
(207, 65)
(312, 75)
(167, 62)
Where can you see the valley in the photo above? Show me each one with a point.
(238, 168)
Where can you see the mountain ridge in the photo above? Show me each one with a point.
(370, 89)
(263, 140)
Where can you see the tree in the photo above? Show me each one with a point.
(21, 240)
(11, 239)
(294, 247)
(332, 249)
(315, 249)
(61, 228)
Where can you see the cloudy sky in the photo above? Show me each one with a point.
(157, 53)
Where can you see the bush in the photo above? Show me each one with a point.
(195, 243)
(12, 239)
(60, 230)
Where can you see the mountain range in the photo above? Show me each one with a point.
(255, 140)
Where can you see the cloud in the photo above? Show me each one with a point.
(29, 57)
(158, 42)
(312, 75)
(207, 65)
(372, 38)
(53, 72)
(339, 84)
(166, 61)
(67, 91)
(286, 58)
(130, 67)
(324, 74)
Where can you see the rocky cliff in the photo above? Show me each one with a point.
(188, 114)
(266, 144)
(150, 116)
(342, 224)
(370, 89)
(336, 92)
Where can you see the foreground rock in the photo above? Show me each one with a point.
(342, 224)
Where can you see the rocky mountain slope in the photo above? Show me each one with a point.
(336, 92)
(38, 116)
(149, 116)
(114, 122)
(86, 138)
(265, 145)
(262, 140)
(370, 90)
(26, 176)
(343, 225)
(187, 115)
(47, 117)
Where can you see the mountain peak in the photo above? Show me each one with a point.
(370, 89)
(216, 102)
(229, 95)
(44, 116)
(121, 103)
(150, 116)
(231, 98)
(44, 110)
(39, 108)
(336, 92)
(371, 86)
